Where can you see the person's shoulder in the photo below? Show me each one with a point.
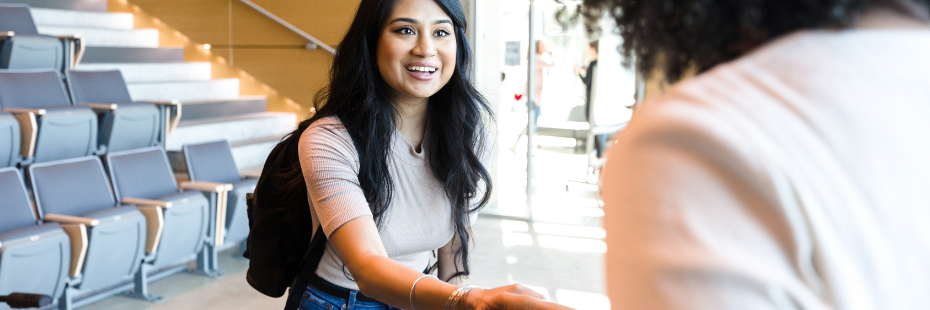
(698, 116)
(326, 128)
(327, 133)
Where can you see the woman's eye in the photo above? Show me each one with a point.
(442, 33)
(405, 31)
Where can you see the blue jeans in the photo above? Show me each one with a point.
(316, 299)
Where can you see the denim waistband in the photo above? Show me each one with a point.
(336, 290)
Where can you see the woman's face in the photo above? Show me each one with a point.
(416, 53)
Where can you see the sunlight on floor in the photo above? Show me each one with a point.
(572, 244)
(512, 239)
(569, 230)
(582, 300)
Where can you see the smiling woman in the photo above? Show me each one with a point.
(393, 163)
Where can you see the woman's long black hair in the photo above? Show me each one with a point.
(358, 95)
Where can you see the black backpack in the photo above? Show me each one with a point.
(279, 248)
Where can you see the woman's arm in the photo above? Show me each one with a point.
(388, 281)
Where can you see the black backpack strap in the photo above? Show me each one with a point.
(307, 267)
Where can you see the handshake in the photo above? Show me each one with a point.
(515, 297)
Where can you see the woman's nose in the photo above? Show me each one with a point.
(425, 48)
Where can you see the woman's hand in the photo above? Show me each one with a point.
(508, 301)
(477, 297)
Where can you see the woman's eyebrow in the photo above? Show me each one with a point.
(414, 21)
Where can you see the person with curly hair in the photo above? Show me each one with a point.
(790, 173)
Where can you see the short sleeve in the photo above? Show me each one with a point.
(330, 167)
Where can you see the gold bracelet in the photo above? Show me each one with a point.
(453, 301)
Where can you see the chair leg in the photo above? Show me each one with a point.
(65, 302)
(141, 290)
(207, 262)
(207, 258)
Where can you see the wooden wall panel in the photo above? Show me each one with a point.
(295, 73)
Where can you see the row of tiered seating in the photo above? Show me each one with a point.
(88, 238)
(56, 126)
(22, 47)
(91, 203)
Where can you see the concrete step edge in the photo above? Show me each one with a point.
(85, 19)
(241, 98)
(155, 83)
(210, 121)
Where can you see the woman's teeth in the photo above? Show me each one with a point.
(421, 69)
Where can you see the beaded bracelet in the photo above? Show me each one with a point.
(412, 307)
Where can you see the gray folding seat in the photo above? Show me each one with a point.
(22, 47)
(51, 126)
(77, 191)
(144, 177)
(213, 162)
(9, 141)
(124, 125)
(34, 258)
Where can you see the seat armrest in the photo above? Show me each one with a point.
(24, 110)
(78, 234)
(74, 49)
(219, 217)
(164, 102)
(99, 106)
(29, 128)
(147, 202)
(171, 123)
(67, 219)
(251, 174)
(206, 186)
(155, 223)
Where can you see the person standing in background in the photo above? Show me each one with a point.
(790, 173)
(600, 141)
(544, 62)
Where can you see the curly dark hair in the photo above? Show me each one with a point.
(675, 36)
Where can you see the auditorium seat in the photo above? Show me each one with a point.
(22, 47)
(77, 192)
(124, 125)
(57, 130)
(34, 258)
(9, 141)
(143, 177)
(213, 162)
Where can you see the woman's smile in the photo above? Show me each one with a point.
(422, 71)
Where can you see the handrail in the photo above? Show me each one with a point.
(290, 26)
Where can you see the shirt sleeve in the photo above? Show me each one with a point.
(330, 166)
(694, 220)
